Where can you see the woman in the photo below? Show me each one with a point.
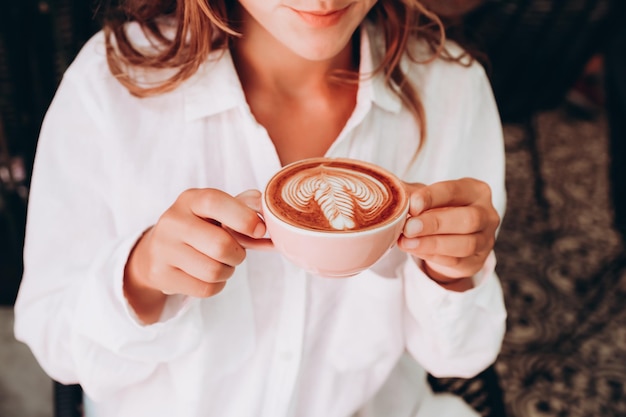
(155, 309)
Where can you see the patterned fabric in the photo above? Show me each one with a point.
(563, 269)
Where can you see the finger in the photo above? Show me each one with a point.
(220, 206)
(180, 282)
(413, 186)
(415, 197)
(215, 242)
(451, 193)
(207, 238)
(459, 246)
(251, 243)
(251, 198)
(200, 266)
(442, 260)
(449, 220)
(452, 267)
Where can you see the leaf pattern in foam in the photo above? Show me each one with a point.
(338, 192)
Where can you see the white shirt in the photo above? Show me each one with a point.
(276, 341)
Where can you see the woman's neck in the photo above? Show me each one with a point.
(266, 65)
(302, 108)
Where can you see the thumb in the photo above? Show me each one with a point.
(416, 200)
(251, 198)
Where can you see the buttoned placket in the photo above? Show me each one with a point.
(286, 357)
(285, 362)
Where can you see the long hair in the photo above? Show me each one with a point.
(202, 26)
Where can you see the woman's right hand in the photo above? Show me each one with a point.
(189, 250)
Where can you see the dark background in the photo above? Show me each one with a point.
(536, 50)
(38, 40)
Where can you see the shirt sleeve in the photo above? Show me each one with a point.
(454, 334)
(451, 333)
(71, 310)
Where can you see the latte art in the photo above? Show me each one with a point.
(335, 195)
(343, 196)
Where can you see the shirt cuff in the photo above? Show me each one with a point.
(461, 324)
(428, 297)
(105, 317)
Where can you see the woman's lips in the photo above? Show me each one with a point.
(322, 19)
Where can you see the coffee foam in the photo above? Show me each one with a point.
(334, 196)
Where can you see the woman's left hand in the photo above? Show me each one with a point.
(452, 228)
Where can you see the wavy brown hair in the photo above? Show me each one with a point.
(202, 26)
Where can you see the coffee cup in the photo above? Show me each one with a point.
(334, 216)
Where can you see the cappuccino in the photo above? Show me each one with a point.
(334, 195)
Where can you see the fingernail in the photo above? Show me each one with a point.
(417, 205)
(259, 231)
(412, 227)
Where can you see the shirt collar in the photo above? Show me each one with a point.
(216, 88)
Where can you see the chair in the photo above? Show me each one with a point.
(68, 400)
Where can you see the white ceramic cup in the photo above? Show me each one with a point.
(338, 253)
